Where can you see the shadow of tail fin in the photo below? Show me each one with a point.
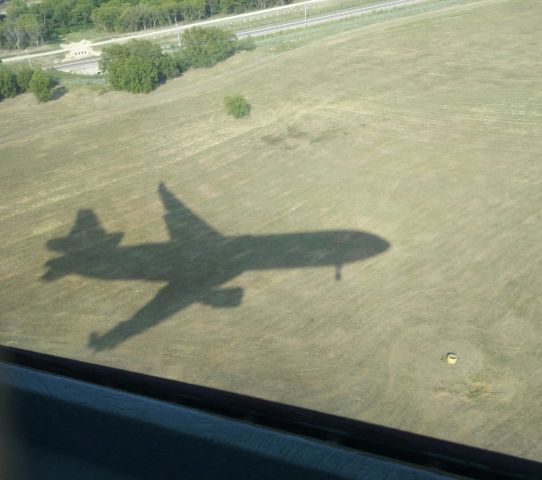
(86, 232)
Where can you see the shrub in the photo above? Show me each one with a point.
(236, 106)
(41, 84)
(204, 47)
(23, 77)
(246, 43)
(181, 60)
(174, 64)
(169, 68)
(8, 83)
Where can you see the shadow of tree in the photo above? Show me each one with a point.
(194, 263)
(58, 92)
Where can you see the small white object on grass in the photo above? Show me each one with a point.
(451, 358)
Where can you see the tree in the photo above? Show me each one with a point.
(212, 7)
(130, 19)
(134, 74)
(193, 9)
(15, 33)
(15, 9)
(32, 27)
(231, 6)
(135, 67)
(151, 15)
(21, 31)
(46, 19)
(44, 11)
(8, 83)
(236, 106)
(171, 11)
(42, 85)
(204, 47)
(82, 11)
(106, 17)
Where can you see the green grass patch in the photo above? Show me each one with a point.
(294, 38)
(85, 33)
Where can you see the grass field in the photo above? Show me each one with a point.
(422, 129)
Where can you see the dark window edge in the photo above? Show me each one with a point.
(415, 449)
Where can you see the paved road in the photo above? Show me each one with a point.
(90, 64)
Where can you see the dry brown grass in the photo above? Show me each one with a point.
(425, 131)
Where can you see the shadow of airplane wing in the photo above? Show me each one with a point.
(182, 223)
(169, 300)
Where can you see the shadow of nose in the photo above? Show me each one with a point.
(380, 245)
(363, 245)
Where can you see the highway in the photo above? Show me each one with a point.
(90, 64)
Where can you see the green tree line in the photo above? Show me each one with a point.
(30, 25)
(139, 66)
(24, 79)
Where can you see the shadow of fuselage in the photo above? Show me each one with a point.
(195, 262)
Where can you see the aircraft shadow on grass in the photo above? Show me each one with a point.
(194, 263)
